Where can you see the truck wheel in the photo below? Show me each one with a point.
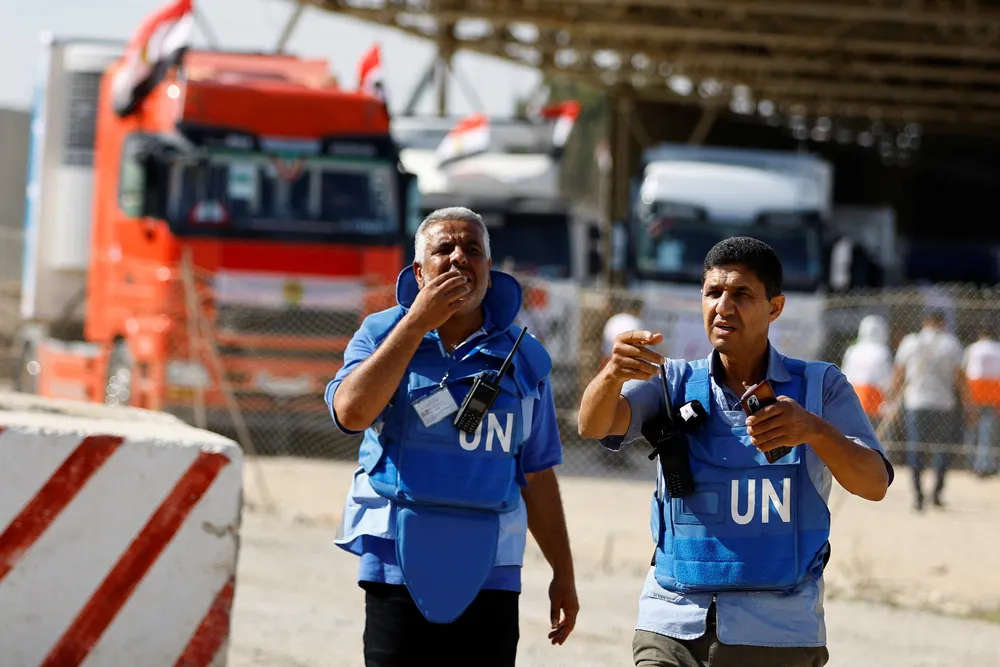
(119, 388)
(28, 369)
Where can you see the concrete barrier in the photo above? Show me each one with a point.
(119, 537)
(12, 401)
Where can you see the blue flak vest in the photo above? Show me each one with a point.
(450, 487)
(749, 525)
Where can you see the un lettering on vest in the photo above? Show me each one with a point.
(498, 436)
(743, 501)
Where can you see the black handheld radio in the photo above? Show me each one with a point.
(482, 394)
(670, 442)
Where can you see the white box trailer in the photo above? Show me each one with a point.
(60, 178)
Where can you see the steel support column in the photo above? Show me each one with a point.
(446, 51)
(623, 156)
(290, 26)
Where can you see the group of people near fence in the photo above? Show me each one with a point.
(939, 394)
(460, 444)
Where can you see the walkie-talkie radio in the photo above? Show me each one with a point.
(757, 398)
(670, 441)
(482, 394)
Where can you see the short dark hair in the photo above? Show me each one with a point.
(751, 253)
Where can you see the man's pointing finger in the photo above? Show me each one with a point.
(640, 337)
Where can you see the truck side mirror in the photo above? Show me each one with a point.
(155, 182)
(595, 254)
(594, 264)
(409, 210)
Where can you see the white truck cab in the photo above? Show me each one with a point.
(514, 185)
(688, 198)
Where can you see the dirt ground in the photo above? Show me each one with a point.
(900, 585)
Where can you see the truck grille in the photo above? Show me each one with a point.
(286, 323)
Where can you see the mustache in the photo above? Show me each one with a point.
(465, 272)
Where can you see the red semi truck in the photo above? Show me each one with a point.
(281, 192)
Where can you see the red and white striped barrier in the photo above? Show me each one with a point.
(118, 542)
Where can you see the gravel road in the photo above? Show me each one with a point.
(297, 603)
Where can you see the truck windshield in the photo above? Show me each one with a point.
(674, 250)
(536, 244)
(239, 194)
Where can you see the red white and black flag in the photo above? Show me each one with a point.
(564, 115)
(370, 79)
(159, 43)
(470, 136)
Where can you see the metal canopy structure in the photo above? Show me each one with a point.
(900, 62)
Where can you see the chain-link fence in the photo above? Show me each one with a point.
(10, 305)
(10, 317)
(944, 409)
(307, 346)
(254, 359)
(11, 248)
(935, 407)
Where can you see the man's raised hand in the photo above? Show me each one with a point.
(439, 299)
(631, 358)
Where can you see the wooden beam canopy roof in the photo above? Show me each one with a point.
(909, 63)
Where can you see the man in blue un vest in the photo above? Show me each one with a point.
(438, 515)
(736, 577)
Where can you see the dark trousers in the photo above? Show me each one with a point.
(654, 650)
(397, 634)
(931, 430)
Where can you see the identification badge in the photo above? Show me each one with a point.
(433, 408)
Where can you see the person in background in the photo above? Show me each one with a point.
(982, 372)
(928, 372)
(867, 365)
(626, 319)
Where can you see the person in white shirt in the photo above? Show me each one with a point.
(929, 374)
(867, 365)
(627, 319)
(982, 373)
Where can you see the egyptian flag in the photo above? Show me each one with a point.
(470, 136)
(564, 114)
(158, 44)
(370, 79)
(370, 73)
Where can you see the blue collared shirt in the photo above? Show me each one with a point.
(368, 524)
(752, 618)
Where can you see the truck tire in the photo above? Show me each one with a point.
(118, 391)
